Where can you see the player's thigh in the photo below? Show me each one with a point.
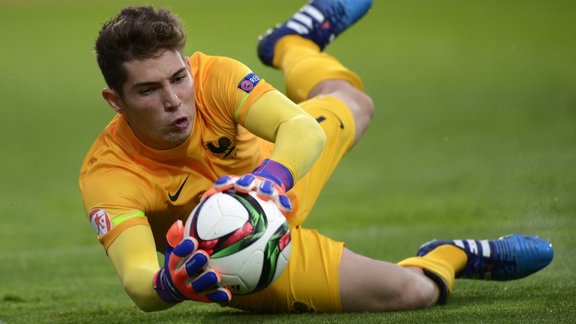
(337, 122)
(309, 283)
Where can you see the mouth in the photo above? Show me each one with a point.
(181, 123)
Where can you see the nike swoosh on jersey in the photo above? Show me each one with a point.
(174, 197)
(323, 118)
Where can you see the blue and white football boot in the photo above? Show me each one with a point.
(319, 21)
(507, 258)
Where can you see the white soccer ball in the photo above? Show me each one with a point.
(247, 238)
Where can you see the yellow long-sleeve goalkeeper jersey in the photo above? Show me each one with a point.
(126, 183)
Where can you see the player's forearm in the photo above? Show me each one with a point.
(298, 137)
(133, 254)
(299, 143)
(138, 285)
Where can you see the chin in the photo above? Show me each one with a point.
(178, 139)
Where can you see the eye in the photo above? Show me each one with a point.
(146, 91)
(179, 78)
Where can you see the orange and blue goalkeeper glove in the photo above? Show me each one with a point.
(184, 275)
(270, 181)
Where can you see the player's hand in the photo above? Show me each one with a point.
(270, 181)
(184, 275)
(266, 189)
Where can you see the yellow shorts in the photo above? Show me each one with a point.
(310, 282)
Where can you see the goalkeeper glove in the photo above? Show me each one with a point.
(270, 181)
(183, 275)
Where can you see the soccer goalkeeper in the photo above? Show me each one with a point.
(189, 126)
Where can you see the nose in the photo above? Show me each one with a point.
(171, 99)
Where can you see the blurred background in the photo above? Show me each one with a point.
(474, 132)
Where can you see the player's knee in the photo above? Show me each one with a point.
(364, 111)
(360, 104)
(417, 292)
(362, 108)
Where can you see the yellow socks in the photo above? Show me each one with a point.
(304, 66)
(451, 254)
(441, 265)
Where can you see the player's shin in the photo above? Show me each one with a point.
(305, 67)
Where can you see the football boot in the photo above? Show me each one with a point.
(507, 258)
(319, 21)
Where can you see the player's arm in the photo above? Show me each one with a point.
(133, 254)
(298, 138)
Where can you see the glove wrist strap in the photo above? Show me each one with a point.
(164, 289)
(276, 172)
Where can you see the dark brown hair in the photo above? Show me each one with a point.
(136, 33)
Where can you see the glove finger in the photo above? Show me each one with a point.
(208, 193)
(221, 295)
(284, 203)
(224, 181)
(222, 184)
(174, 235)
(266, 189)
(206, 280)
(195, 263)
(245, 183)
(186, 247)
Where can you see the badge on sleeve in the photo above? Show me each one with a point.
(249, 82)
(100, 221)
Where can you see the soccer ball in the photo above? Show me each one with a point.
(247, 238)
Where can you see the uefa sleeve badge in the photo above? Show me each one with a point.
(249, 82)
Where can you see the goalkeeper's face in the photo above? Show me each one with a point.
(158, 99)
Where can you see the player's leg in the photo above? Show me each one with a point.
(372, 285)
(296, 48)
(359, 103)
(323, 276)
(507, 258)
(428, 279)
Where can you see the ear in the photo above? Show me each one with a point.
(113, 99)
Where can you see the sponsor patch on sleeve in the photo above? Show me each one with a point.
(100, 221)
(249, 82)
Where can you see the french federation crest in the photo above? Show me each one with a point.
(100, 221)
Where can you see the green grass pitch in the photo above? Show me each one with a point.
(474, 137)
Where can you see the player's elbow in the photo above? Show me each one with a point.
(146, 305)
(316, 136)
(306, 132)
(146, 302)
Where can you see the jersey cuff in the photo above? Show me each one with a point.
(108, 238)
